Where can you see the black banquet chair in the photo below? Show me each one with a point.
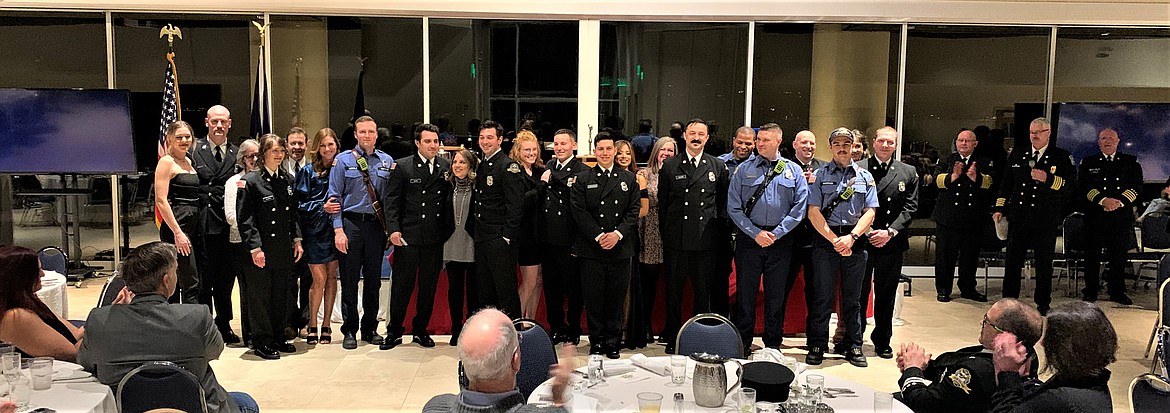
(1149, 393)
(709, 333)
(159, 385)
(537, 353)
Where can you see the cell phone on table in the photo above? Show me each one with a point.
(42, 410)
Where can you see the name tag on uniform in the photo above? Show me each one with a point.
(828, 182)
(267, 198)
(750, 177)
(591, 186)
(416, 180)
(678, 177)
(351, 168)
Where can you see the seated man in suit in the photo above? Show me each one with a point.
(142, 327)
(489, 348)
(964, 380)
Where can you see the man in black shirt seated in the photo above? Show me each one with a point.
(489, 348)
(964, 380)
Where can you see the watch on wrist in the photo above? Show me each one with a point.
(854, 236)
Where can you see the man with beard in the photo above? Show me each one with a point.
(298, 299)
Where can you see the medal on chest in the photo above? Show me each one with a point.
(490, 181)
(711, 176)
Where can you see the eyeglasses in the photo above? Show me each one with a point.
(1037, 132)
(252, 156)
(987, 322)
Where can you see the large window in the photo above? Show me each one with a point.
(669, 72)
(1112, 65)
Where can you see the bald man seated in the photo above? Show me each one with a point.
(489, 348)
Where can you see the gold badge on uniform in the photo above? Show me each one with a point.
(290, 192)
(901, 186)
(514, 168)
(490, 181)
(961, 379)
(1052, 170)
(446, 175)
(711, 176)
(625, 187)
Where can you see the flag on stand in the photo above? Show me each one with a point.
(261, 109)
(170, 112)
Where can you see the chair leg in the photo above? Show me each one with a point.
(1150, 344)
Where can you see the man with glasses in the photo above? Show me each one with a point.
(964, 380)
(215, 161)
(1031, 198)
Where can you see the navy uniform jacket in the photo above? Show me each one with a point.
(605, 204)
(349, 187)
(1028, 202)
(782, 205)
(417, 202)
(1119, 179)
(499, 198)
(267, 215)
(832, 181)
(212, 177)
(804, 234)
(961, 381)
(897, 193)
(692, 203)
(729, 160)
(557, 224)
(962, 203)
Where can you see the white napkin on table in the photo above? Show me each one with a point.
(659, 366)
(617, 367)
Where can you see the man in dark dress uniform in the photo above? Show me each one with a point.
(419, 219)
(804, 145)
(897, 191)
(964, 380)
(1110, 182)
(605, 203)
(964, 188)
(562, 275)
(499, 204)
(1032, 197)
(692, 209)
(215, 161)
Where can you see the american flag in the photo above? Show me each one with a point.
(170, 113)
(261, 100)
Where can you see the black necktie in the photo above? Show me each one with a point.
(1035, 156)
(1109, 158)
(427, 164)
(218, 154)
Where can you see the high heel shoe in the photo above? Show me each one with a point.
(326, 338)
(311, 337)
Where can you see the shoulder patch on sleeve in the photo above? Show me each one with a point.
(241, 184)
(514, 168)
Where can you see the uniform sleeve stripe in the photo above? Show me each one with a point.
(1057, 182)
(941, 181)
(1000, 201)
(1093, 194)
(914, 381)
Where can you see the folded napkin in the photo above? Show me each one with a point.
(659, 366)
(617, 367)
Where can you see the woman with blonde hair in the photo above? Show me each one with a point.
(526, 152)
(311, 187)
(177, 196)
(650, 253)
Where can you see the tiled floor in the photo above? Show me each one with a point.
(328, 378)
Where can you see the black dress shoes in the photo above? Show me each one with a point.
(391, 342)
(613, 351)
(285, 348)
(670, 349)
(267, 353)
(424, 340)
(975, 297)
(558, 338)
(885, 352)
(856, 358)
(229, 337)
(454, 340)
(596, 348)
(1043, 310)
(944, 298)
(372, 338)
(1121, 299)
(815, 356)
(349, 342)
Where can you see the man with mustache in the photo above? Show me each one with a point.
(1110, 182)
(215, 162)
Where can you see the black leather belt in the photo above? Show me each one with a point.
(360, 217)
(841, 229)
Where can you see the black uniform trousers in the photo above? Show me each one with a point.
(827, 266)
(1040, 239)
(562, 278)
(604, 285)
(496, 272)
(697, 266)
(1115, 245)
(267, 291)
(461, 281)
(720, 278)
(802, 260)
(299, 283)
(961, 245)
(363, 262)
(218, 277)
(411, 262)
(883, 270)
(751, 262)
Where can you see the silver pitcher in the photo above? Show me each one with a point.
(710, 379)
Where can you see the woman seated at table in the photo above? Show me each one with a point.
(25, 321)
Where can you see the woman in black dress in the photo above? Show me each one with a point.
(635, 308)
(177, 199)
(311, 187)
(526, 152)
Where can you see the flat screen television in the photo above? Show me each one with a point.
(1144, 129)
(71, 131)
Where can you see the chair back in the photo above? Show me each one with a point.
(709, 333)
(1154, 231)
(1149, 393)
(158, 385)
(537, 353)
(110, 291)
(53, 259)
(1074, 239)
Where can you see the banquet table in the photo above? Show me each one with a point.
(54, 294)
(619, 392)
(74, 391)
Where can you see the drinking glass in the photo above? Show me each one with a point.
(816, 386)
(42, 373)
(883, 402)
(747, 400)
(649, 402)
(596, 370)
(678, 370)
(19, 391)
(10, 363)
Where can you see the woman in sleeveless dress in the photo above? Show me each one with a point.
(177, 199)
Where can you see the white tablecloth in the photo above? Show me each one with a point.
(73, 393)
(619, 393)
(53, 293)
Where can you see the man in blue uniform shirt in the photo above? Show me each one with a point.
(359, 230)
(744, 145)
(841, 208)
(766, 200)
